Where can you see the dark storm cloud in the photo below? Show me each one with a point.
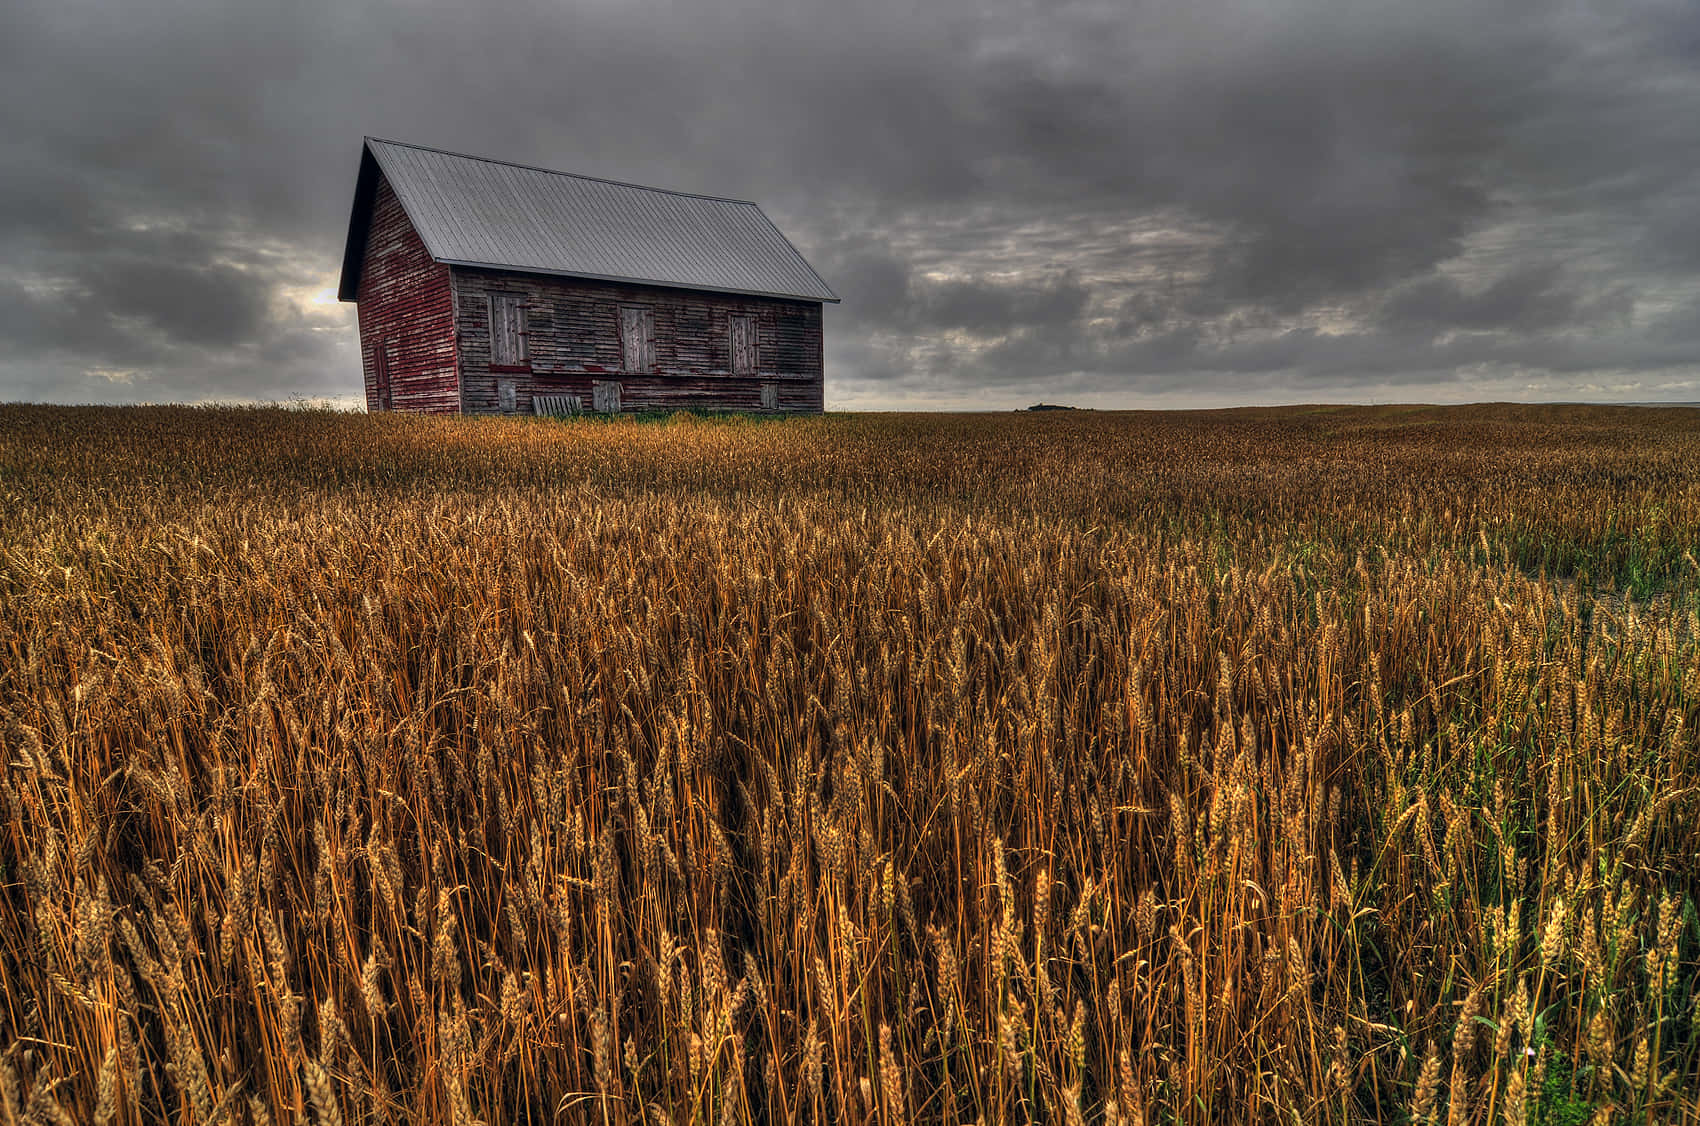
(883, 290)
(216, 304)
(1266, 199)
(1533, 298)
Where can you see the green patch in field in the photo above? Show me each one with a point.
(1562, 1099)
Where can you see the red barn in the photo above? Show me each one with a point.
(486, 287)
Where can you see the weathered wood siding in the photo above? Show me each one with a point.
(406, 308)
(574, 340)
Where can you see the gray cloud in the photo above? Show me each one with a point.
(1121, 202)
(1534, 298)
(883, 290)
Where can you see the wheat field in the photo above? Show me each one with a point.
(1300, 765)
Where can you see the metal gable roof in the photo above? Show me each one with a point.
(475, 212)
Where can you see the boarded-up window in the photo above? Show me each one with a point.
(507, 331)
(507, 397)
(770, 396)
(637, 337)
(605, 396)
(743, 345)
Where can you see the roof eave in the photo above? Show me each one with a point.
(782, 238)
(510, 268)
(359, 225)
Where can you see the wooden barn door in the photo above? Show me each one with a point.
(381, 374)
(743, 345)
(637, 337)
(508, 345)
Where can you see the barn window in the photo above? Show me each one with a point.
(743, 333)
(637, 337)
(770, 396)
(508, 347)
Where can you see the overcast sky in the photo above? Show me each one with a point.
(1185, 202)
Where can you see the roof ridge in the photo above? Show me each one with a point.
(558, 172)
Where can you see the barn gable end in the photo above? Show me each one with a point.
(406, 313)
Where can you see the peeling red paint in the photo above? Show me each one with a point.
(406, 306)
